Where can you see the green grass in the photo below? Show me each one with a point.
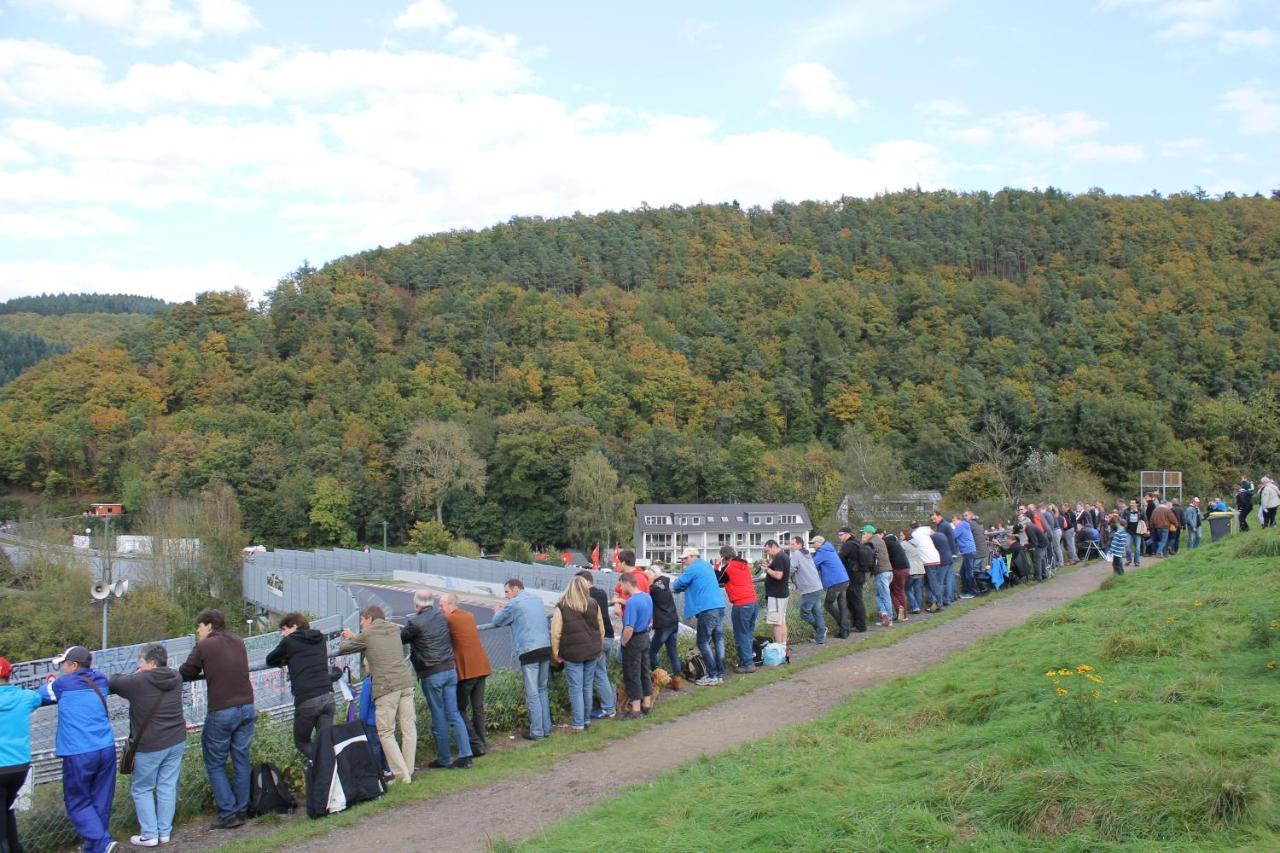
(530, 760)
(964, 757)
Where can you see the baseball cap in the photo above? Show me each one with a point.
(869, 528)
(6, 668)
(75, 654)
(845, 530)
(690, 552)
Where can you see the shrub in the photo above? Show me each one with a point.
(1264, 543)
(430, 537)
(1081, 714)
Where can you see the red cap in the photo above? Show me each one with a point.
(5, 668)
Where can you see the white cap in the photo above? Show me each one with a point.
(690, 552)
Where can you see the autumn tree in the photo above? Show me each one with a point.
(435, 461)
(598, 510)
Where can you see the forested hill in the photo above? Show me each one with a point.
(709, 352)
(57, 304)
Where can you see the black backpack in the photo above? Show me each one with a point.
(268, 792)
(694, 666)
(757, 649)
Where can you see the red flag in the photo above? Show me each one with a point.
(595, 557)
(613, 558)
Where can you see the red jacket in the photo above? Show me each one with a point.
(740, 588)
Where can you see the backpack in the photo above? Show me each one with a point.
(268, 792)
(757, 650)
(344, 772)
(694, 667)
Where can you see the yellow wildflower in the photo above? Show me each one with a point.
(1097, 695)
(1051, 673)
(1271, 664)
(1197, 602)
(1170, 619)
(1083, 668)
(1096, 679)
(1275, 624)
(1062, 691)
(1064, 672)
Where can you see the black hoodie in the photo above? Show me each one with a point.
(144, 689)
(307, 655)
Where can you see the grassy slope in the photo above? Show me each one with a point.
(963, 756)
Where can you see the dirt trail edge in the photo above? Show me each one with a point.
(517, 809)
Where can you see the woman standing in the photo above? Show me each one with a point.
(915, 577)
(901, 566)
(16, 706)
(577, 639)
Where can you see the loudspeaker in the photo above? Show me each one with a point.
(100, 590)
(120, 588)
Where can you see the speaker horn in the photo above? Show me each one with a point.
(100, 590)
(120, 587)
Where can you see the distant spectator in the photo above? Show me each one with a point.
(666, 625)
(86, 745)
(968, 549)
(627, 563)
(577, 633)
(1194, 520)
(901, 572)
(1161, 523)
(939, 589)
(704, 602)
(922, 536)
(809, 586)
(741, 590)
(915, 574)
(835, 582)
(221, 659)
(1131, 518)
(1119, 547)
(1244, 503)
(156, 720)
(883, 574)
(472, 664)
(636, 674)
(777, 589)
(304, 650)
(392, 687)
(944, 527)
(603, 685)
(1269, 498)
(857, 606)
(531, 636)
(430, 643)
(1180, 523)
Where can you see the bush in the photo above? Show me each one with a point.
(1264, 543)
(430, 537)
(517, 551)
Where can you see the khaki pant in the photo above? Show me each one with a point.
(400, 756)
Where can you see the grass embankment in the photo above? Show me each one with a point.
(967, 756)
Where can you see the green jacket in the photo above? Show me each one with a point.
(381, 645)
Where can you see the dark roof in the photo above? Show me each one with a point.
(718, 512)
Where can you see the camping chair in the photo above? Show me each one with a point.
(1090, 546)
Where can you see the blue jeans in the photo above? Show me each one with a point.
(1162, 542)
(936, 579)
(950, 577)
(915, 592)
(744, 628)
(228, 731)
(581, 678)
(811, 612)
(967, 583)
(884, 602)
(604, 687)
(1135, 548)
(711, 637)
(537, 676)
(88, 787)
(441, 690)
(1193, 537)
(665, 637)
(155, 789)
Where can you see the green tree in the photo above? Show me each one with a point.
(598, 510)
(436, 460)
(430, 537)
(331, 512)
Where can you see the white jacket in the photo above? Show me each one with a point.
(914, 556)
(1270, 496)
(928, 553)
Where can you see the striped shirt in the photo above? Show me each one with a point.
(1119, 543)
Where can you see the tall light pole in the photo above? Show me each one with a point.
(106, 548)
(384, 534)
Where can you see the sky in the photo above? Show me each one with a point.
(169, 147)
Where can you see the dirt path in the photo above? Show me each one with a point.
(516, 810)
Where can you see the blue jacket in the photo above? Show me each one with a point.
(943, 545)
(830, 567)
(368, 714)
(82, 720)
(964, 539)
(16, 706)
(701, 590)
(945, 528)
(528, 620)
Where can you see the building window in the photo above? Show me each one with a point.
(682, 540)
(696, 520)
(740, 539)
(784, 536)
(724, 538)
(740, 518)
(724, 518)
(756, 539)
(755, 519)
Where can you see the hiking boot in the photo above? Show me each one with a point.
(231, 821)
(743, 670)
(461, 763)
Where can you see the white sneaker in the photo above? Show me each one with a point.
(164, 839)
(139, 841)
(705, 681)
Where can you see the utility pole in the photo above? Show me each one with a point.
(105, 547)
(384, 534)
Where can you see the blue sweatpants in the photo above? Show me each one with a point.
(88, 787)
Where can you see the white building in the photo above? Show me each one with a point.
(663, 531)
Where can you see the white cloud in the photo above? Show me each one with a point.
(148, 22)
(1185, 20)
(175, 282)
(1037, 130)
(426, 15)
(59, 224)
(972, 135)
(34, 74)
(944, 107)
(1232, 41)
(1258, 109)
(860, 20)
(815, 89)
(1095, 152)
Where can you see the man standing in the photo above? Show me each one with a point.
(1071, 517)
(1130, 518)
(220, 658)
(968, 552)
(1038, 542)
(531, 635)
(602, 684)
(1269, 498)
(666, 629)
(809, 585)
(160, 729)
(1244, 503)
(86, 745)
(391, 687)
(431, 653)
(777, 590)
(1162, 522)
(835, 580)
(881, 567)
(857, 577)
(637, 618)
(944, 527)
(473, 668)
(937, 576)
(1180, 522)
(304, 650)
(1194, 519)
(704, 602)
(741, 589)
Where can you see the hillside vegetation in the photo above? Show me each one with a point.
(60, 304)
(1170, 738)
(29, 338)
(708, 352)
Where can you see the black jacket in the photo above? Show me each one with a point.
(897, 554)
(849, 556)
(664, 605)
(144, 689)
(430, 644)
(1035, 537)
(866, 555)
(602, 601)
(306, 654)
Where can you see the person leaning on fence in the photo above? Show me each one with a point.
(221, 659)
(636, 674)
(304, 650)
(86, 745)
(577, 634)
(857, 579)
(666, 623)
(531, 637)
(431, 653)
(473, 668)
(604, 686)
(835, 583)
(158, 726)
(777, 591)
(704, 602)
(740, 587)
(392, 687)
(16, 706)
(809, 586)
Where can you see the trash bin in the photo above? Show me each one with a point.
(1219, 525)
